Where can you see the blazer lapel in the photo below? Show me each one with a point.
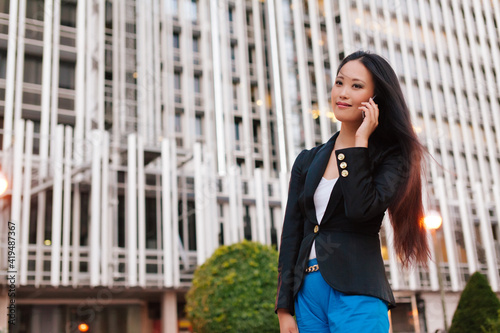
(315, 172)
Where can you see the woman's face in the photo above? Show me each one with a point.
(353, 85)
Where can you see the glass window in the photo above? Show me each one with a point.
(67, 75)
(174, 7)
(230, 14)
(3, 64)
(196, 44)
(197, 84)
(68, 13)
(199, 125)
(178, 123)
(194, 10)
(176, 40)
(233, 52)
(34, 9)
(177, 80)
(33, 69)
(237, 125)
(4, 6)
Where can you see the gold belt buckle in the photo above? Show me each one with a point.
(313, 268)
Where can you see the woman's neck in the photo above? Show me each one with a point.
(346, 138)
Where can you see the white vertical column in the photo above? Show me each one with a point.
(344, 24)
(99, 56)
(55, 265)
(455, 139)
(448, 235)
(54, 91)
(201, 234)
(244, 88)
(80, 81)
(404, 52)
(18, 93)
(434, 270)
(169, 312)
(132, 210)
(75, 249)
(106, 231)
(284, 180)
(319, 70)
(489, 110)
(393, 260)
(259, 206)
(142, 74)
(25, 224)
(95, 214)
(17, 172)
(363, 27)
(11, 74)
(304, 85)
(218, 92)
(166, 213)
(487, 237)
(332, 39)
(118, 72)
(66, 220)
(284, 58)
(467, 229)
(431, 262)
(175, 215)
(458, 83)
(495, 55)
(376, 26)
(142, 211)
(232, 222)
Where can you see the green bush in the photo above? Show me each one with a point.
(234, 290)
(478, 304)
(492, 325)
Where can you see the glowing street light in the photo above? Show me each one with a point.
(83, 327)
(433, 221)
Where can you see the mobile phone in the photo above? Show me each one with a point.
(363, 112)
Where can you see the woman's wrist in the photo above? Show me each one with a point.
(283, 311)
(361, 142)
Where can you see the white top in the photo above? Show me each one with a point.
(321, 199)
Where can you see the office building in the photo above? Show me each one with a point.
(137, 136)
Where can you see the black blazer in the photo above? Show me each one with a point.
(347, 240)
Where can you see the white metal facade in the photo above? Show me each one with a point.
(138, 136)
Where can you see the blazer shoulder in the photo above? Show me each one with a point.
(306, 156)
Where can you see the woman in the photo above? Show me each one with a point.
(331, 272)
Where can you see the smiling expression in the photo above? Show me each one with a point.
(353, 85)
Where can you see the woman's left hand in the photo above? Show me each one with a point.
(369, 124)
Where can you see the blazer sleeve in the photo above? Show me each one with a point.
(368, 190)
(291, 238)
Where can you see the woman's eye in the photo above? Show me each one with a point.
(357, 86)
(338, 83)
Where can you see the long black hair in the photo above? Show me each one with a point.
(406, 212)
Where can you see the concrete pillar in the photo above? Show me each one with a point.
(169, 312)
(4, 303)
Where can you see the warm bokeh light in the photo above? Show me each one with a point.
(83, 327)
(433, 220)
(47, 242)
(3, 184)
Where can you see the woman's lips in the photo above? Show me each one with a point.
(343, 105)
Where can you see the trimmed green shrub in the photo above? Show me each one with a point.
(492, 325)
(477, 304)
(234, 290)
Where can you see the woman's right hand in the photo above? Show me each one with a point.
(287, 323)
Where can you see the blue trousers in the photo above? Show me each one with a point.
(321, 309)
